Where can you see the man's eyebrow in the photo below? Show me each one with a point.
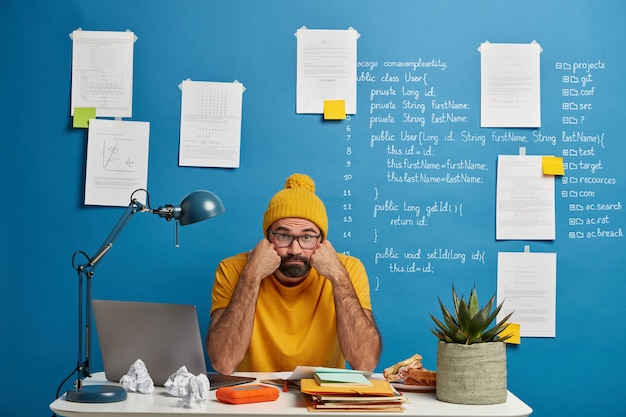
(288, 229)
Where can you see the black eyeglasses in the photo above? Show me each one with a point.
(284, 240)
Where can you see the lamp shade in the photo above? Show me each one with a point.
(198, 206)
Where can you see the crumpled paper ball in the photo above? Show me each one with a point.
(194, 390)
(178, 382)
(197, 391)
(138, 379)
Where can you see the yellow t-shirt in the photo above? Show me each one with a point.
(292, 325)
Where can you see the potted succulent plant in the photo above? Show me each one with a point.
(471, 355)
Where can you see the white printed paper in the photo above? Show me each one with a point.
(117, 161)
(326, 69)
(210, 124)
(509, 85)
(527, 287)
(525, 206)
(102, 72)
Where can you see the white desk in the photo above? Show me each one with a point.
(291, 403)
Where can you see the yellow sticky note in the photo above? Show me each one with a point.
(552, 165)
(334, 109)
(82, 115)
(512, 329)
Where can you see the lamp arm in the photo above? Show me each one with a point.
(132, 208)
(85, 272)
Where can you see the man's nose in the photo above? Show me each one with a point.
(294, 247)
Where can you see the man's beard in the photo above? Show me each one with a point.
(294, 270)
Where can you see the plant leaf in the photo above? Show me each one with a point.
(476, 327)
(473, 303)
(443, 331)
(487, 309)
(451, 322)
(455, 299)
(494, 332)
(463, 315)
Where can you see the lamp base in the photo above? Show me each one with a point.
(97, 394)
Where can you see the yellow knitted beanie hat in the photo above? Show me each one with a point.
(297, 199)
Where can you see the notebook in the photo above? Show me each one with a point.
(164, 336)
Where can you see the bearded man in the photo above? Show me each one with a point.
(292, 300)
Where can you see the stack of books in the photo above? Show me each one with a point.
(346, 390)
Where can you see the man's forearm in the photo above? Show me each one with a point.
(358, 336)
(229, 335)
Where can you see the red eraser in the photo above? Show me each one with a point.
(246, 393)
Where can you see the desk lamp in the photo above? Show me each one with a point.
(195, 207)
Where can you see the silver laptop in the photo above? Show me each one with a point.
(164, 336)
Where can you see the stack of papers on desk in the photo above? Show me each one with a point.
(378, 396)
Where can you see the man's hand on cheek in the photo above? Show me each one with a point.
(263, 260)
(325, 260)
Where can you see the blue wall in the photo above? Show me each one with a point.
(578, 373)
